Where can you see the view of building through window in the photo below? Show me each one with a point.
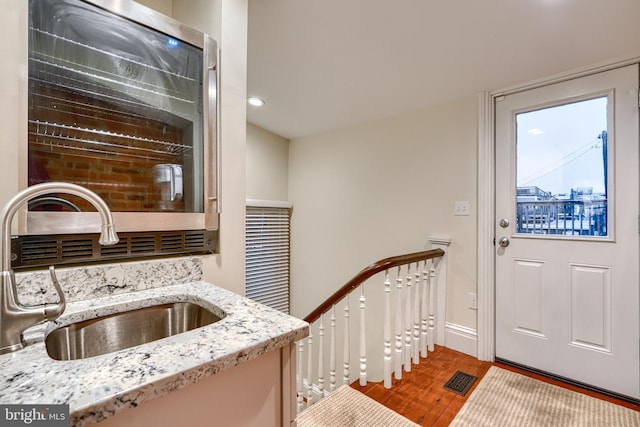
(561, 169)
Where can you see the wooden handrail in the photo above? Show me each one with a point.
(376, 267)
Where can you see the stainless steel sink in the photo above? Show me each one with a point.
(124, 330)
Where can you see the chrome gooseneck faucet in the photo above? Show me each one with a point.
(15, 317)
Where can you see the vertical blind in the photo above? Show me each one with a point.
(267, 255)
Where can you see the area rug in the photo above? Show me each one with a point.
(506, 399)
(346, 407)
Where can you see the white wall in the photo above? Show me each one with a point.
(381, 189)
(267, 165)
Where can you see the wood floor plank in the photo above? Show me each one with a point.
(421, 397)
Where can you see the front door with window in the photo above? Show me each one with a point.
(567, 238)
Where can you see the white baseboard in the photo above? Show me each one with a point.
(461, 338)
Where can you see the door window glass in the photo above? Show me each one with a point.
(562, 168)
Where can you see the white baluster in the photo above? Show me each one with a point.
(423, 311)
(363, 339)
(332, 351)
(321, 357)
(310, 369)
(407, 323)
(300, 397)
(416, 317)
(432, 299)
(387, 330)
(398, 334)
(346, 354)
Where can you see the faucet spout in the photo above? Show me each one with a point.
(14, 316)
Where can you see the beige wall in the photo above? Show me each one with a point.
(204, 15)
(381, 189)
(13, 102)
(267, 165)
(226, 21)
(224, 399)
(162, 6)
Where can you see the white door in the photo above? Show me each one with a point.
(567, 227)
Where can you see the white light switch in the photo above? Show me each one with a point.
(473, 300)
(461, 208)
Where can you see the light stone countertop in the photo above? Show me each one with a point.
(98, 387)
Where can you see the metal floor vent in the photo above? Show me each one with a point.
(61, 249)
(460, 383)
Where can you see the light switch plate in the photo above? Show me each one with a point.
(461, 208)
(473, 301)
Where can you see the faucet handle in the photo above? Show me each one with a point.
(52, 311)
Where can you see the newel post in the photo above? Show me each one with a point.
(439, 288)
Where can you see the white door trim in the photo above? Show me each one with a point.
(486, 196)
(486, 215)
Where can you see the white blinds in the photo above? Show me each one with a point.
(267, 256)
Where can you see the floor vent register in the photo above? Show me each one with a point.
(460, 383)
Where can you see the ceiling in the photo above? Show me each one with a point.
(327, 64)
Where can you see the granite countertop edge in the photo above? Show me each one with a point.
(99, 387)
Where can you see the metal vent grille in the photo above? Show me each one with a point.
(76, 248)
(171, 242)
(41, 251)
(460, 383)
(119, 249)
(144, 244)
(193, 240)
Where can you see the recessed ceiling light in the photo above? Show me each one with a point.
(255, 101)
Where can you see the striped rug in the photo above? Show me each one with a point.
(347, 407)
(506, 399)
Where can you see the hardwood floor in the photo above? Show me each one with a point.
(421, 397)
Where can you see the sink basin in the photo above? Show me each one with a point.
(118, 331)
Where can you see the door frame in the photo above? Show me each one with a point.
(486, 254)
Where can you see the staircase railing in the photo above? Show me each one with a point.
(414, 323)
